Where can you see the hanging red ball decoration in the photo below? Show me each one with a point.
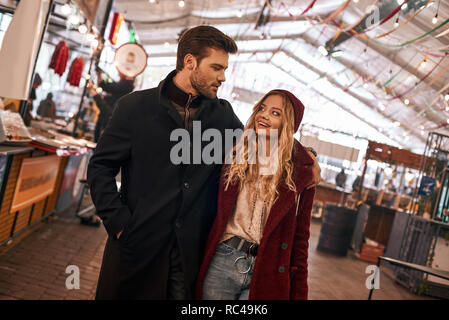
(75, 72)
(60, 57)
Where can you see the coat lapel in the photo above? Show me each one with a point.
(287, 198)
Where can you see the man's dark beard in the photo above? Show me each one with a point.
(200, 85)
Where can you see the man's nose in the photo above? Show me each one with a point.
(222, 77)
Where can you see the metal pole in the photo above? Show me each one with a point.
(374, 278)
(97, 57)
(24, 103)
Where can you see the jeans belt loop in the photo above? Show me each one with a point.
(240, 246)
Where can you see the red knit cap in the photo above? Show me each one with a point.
(297, 105)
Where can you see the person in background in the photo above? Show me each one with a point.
(30, 105)
(106, 103)
(389, 186)
(47, 107)
(340, 179)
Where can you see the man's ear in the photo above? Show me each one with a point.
(190, 62)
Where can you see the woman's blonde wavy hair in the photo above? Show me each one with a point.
(248, 174)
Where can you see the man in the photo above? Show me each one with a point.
(114, 91)
(37, 81)
(340, 179)
(47, 107)
(159, 222)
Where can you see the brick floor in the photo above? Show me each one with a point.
(35, 267)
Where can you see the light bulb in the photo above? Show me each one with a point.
(322, 50)
(239, 14)
(397, 123)
(166, 44)
(406, 101)
(152, 1)
(82, 29)
(181, 4)
(435, 20)
(446, 97)
(337, 54)
(66, 9)
(404, 6)
(356, 1)
(90, 37)
(74, 19)
(423, 64)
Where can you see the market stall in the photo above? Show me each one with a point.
(34, 173)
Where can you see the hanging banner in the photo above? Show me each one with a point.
(88, 8)
(20, 47)
(115, 27)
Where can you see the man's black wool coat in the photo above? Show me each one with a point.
(159, 202)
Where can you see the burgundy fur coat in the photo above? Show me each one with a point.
(280, 271)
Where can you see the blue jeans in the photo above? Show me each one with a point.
(229, 274)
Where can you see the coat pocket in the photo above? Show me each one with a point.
(128, 229)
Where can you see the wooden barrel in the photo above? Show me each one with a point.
(336, 230)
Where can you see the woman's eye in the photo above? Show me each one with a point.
(276, 113)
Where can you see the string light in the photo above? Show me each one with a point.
(406, 101)
(446, 97)
(74, 19)
(337, 53)
(435, 19)
(239, 14)
(181, 4)
(82, 29)
(66, 9)
(356, 1)
(166, 44)
(396, 24)
(323, 50)
(152, 1)
(396, 123)
(423, 64)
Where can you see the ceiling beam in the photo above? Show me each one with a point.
(352, 94)
(240, 38)
(342, 106)
(191, 19)
(383, 10)
(358, 71)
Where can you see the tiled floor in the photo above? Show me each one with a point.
(35, 267)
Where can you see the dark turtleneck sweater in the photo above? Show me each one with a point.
(186, 104)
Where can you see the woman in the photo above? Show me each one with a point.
(257, 248)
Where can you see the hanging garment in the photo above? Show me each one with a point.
(59, 59)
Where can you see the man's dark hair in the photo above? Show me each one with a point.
(196, 41)
(37, 79)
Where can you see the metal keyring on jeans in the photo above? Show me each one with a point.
(235, 264)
